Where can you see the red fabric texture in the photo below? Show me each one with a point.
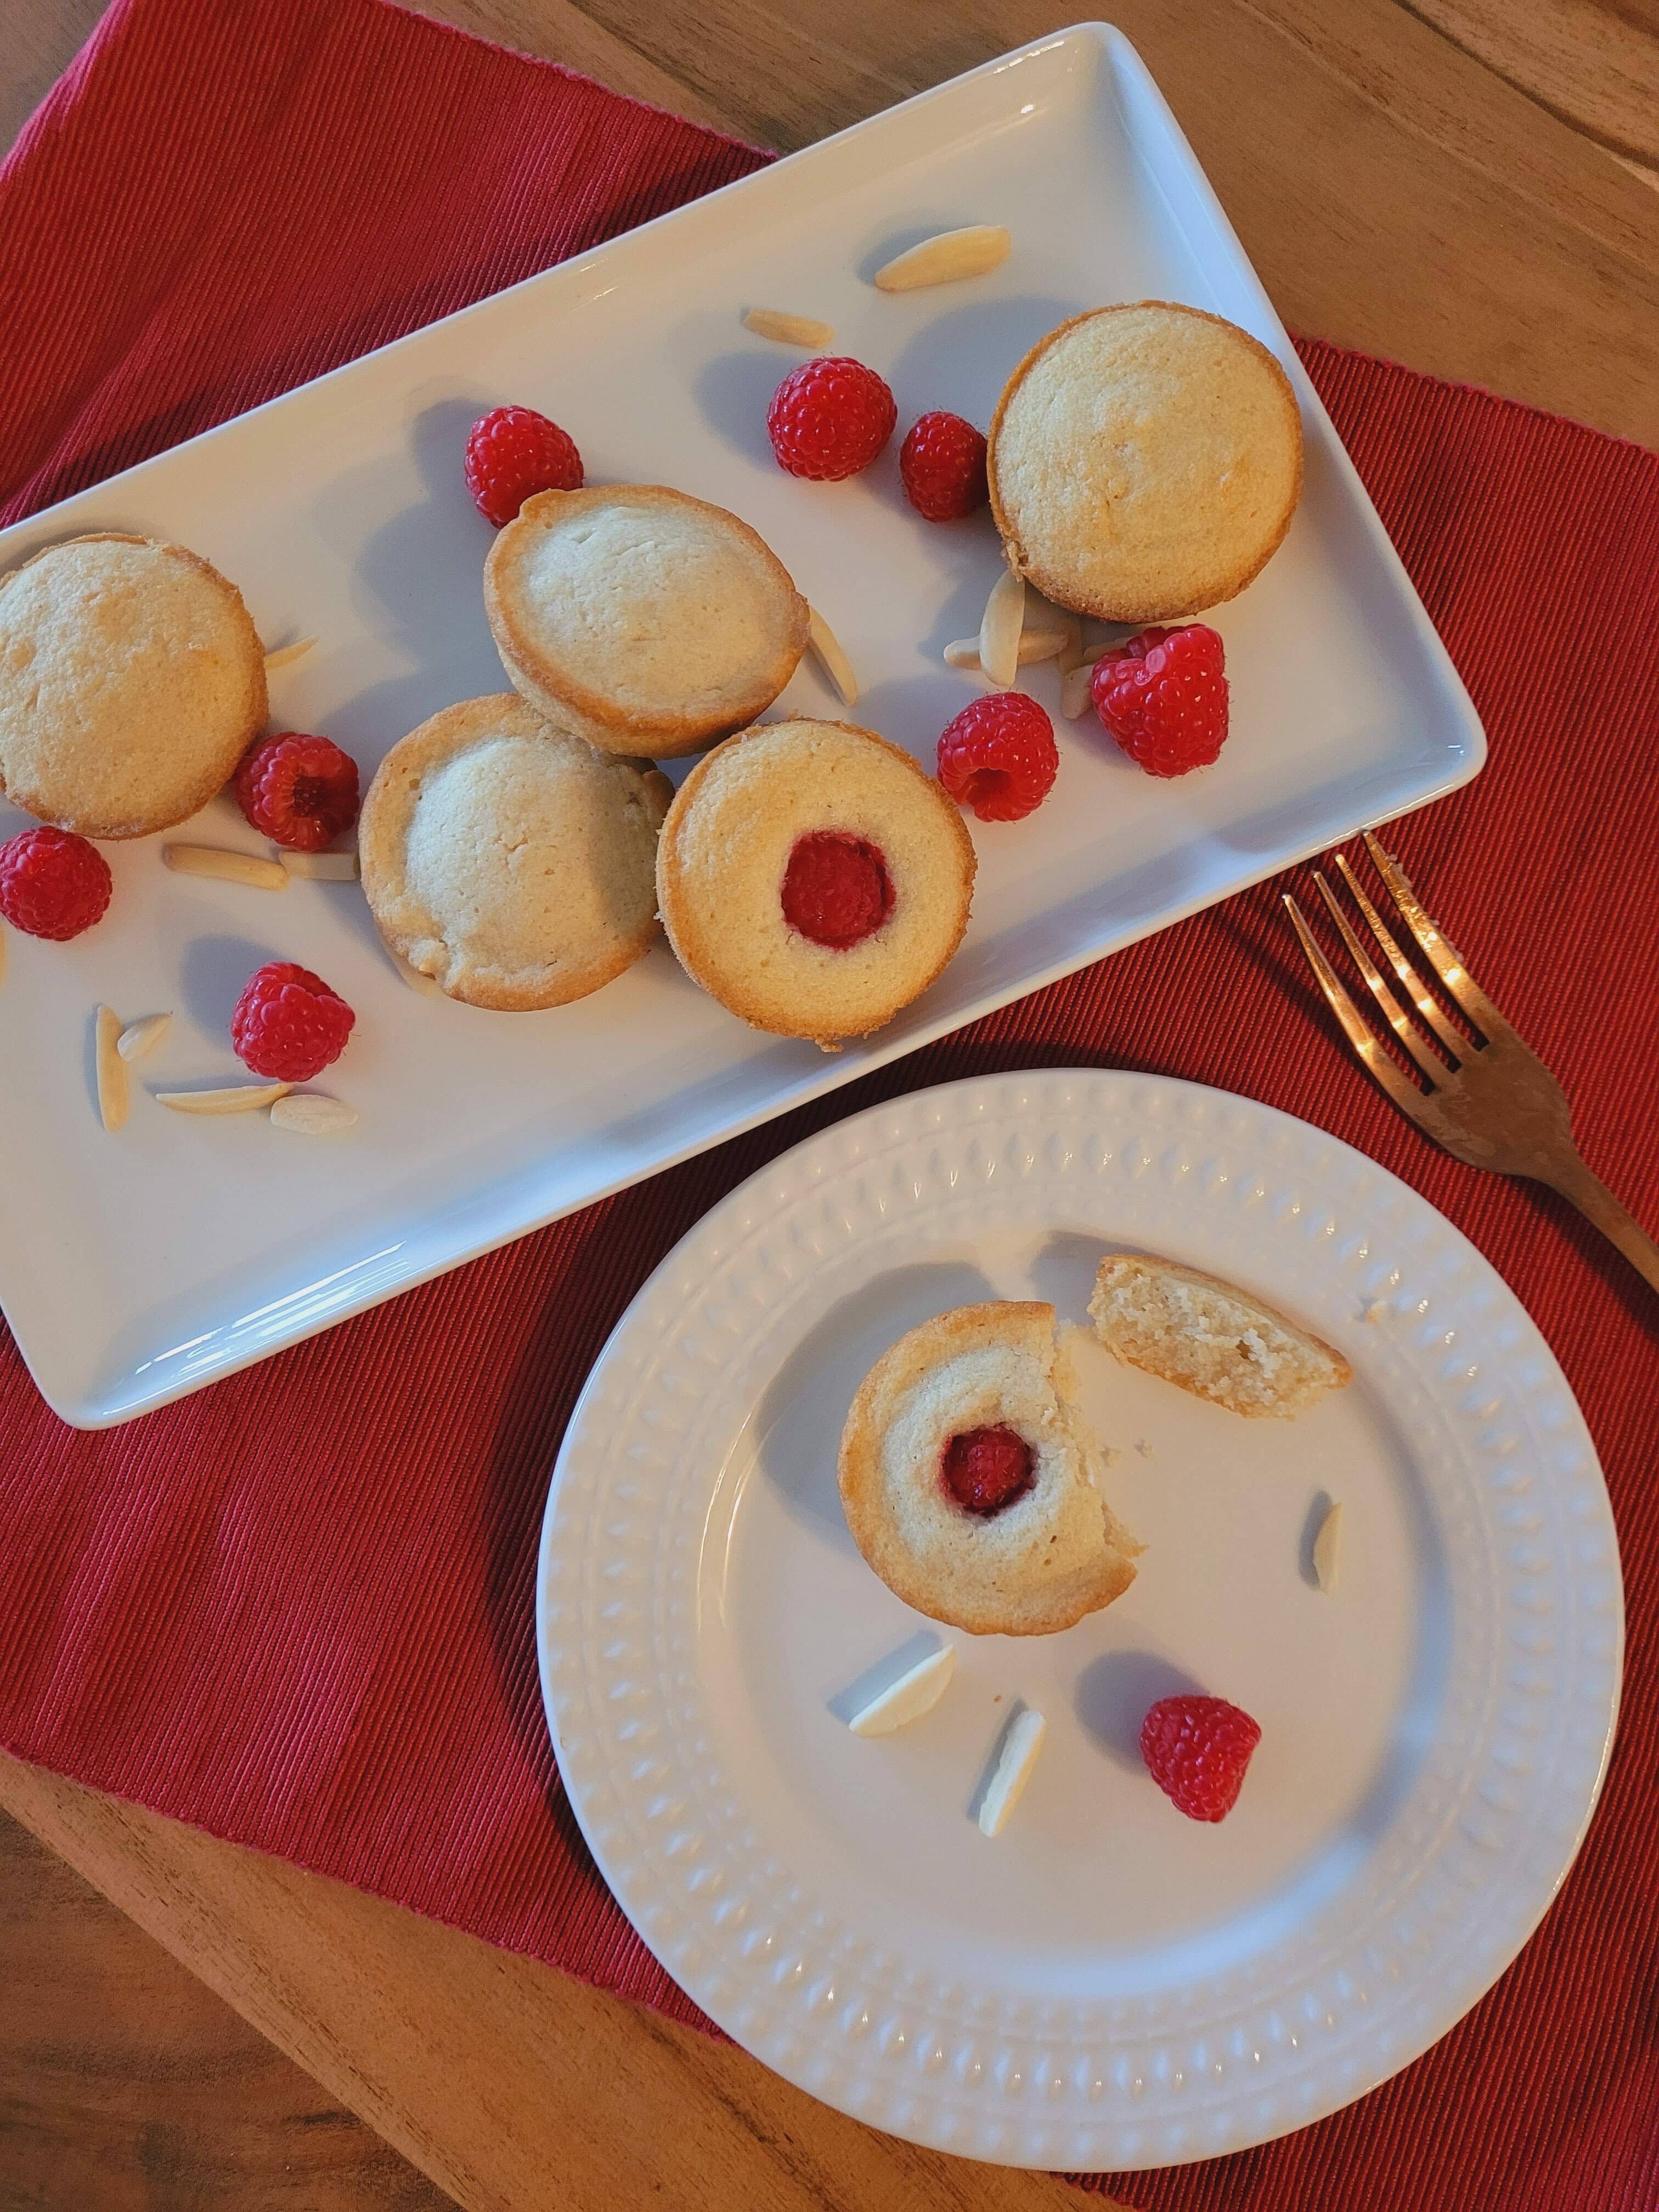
(296, 1609)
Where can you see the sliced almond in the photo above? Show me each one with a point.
(999, 630)
(1015, 1759)
(945, 258)
(312, 1113)
(140, 1037)
(1071, 653)
(789, 330)
(322, 867)
(286, 655)
(916, 1692)
(1074, 691)
(1328, 1552)
(235, 1098)
(1034, 645)
(226, 866)
(826, 649)
(114, 1091)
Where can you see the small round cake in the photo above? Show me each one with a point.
(650, 622)
(132, 682)
(813, 879)
(970, 1482)
(507, 859)
(1145, 462)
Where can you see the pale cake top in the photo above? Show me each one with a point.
(507, 859)
(726, 844)
(132, 682)
(1145, 462)
(655, 621)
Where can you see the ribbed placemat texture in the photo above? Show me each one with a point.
(296, 1609)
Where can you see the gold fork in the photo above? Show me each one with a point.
(1489, 1101)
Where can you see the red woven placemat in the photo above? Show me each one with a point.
(296, 1609)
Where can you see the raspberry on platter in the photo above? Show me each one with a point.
(1164, 697)
(513, 452)
(942, 462)
(288, 1025)
(999, 756)
(52, 883)
(830, 418)
(298, 791)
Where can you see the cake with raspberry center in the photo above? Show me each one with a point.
(970, 1480)
(813, 879)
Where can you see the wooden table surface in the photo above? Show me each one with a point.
(1466, 186)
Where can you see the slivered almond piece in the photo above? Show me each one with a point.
(235, 1098)
(114, 1092)
(1034, 645)
(916, 1692)
(1015, 1759)
(945, 258)
(322, 867)
(312, 1113)
(826, 648)
(1328, 1552)
(226, 866)
(1071, 653)
(137, 1037)
(1000, 629)
(286, 655)
(1074, 692)
(789, 330)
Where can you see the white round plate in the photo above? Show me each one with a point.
(1106, 1984)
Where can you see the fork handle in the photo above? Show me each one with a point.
(1598, 1206)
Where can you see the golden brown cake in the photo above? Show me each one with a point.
(509, 860)
(813, 879)
(649, 621)
(970, 1482)
(1145, 462)
(132, 682)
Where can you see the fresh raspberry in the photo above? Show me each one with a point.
(513, 452)
(287, 1024)
(1196, 1750)
(830, 418)
(52, 884)
(300, 792)
(986, 1469)
(942, 462)
(1164, 697)
(836, 889)
(999, 756)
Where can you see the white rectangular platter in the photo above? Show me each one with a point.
(136, 1268)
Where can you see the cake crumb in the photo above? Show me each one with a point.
(1144, 1448)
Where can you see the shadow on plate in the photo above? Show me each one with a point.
(798, 1422)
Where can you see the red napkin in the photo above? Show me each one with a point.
(296, 1609)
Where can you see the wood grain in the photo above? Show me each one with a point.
(125, 2084)
(1438, 181)
(513, 2088)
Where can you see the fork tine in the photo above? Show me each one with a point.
(1400, 1022)
(1405, 1094)
(1421, 997)
(1442, 955)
